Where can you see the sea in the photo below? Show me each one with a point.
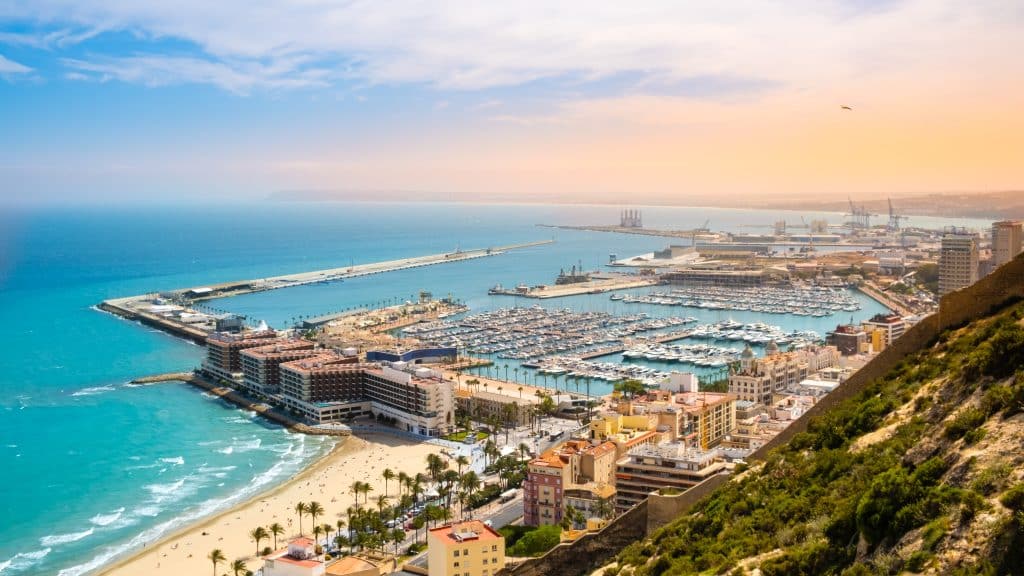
(96, 467)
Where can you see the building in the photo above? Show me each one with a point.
(412, 356)
(1006, 241)
(224, 352)
(260, 365)
(849, 339)
(631, 219)
(757, 380)
(699, 418)
(579, 465)
(891, 325)
(958, 261)
(671, 465)
(482, 405)
(331, 387)
(298, 559)
(465, 549)
(731, 278)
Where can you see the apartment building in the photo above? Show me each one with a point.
(224, 352)
(958, 261)
(576, 465)
(757, 379)
(261, 372)
(465, 549)
(672, 465)
(1006, 241)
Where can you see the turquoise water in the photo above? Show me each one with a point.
(95, 467)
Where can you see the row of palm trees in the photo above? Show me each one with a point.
(367, 527)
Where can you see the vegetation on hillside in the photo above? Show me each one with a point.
(921, 472)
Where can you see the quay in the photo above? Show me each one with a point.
(598, 285)
(621, 346)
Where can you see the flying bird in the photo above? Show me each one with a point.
(845, 107)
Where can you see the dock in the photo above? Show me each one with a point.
(621, 346)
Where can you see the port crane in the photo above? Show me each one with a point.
(860, 217)
(894, 218)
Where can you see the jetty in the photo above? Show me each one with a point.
(596, 285)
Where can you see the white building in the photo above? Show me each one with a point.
(298, 559)
(1006, 241)
(958, 261)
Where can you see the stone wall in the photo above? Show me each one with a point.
(590, 551)
(663, 509)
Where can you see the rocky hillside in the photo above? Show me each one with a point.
(921, 473)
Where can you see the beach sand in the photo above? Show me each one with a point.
(327, 481)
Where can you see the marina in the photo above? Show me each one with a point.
(817, 301)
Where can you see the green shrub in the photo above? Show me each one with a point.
(968, 419)
(917, 561)
(536, 541)
(1014, 498)
(991, 479)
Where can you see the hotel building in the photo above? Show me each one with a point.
(574, 467)
(672, 465)
(224, 352)
(958, 262)
(465, 549)
(328, 388)
(700, 418)
(1006, 241)
(757, 379)
(260, 365)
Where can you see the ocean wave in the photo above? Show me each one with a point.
(216, 469)
(149, 511)
(23, 560)
(229, 450)
(93, 391)
(177, 460)
(209, 443)
(284, 468)
(105, 519)
(54, 540)
(165, 489)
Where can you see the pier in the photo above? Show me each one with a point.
(597, 285)
(138, 308)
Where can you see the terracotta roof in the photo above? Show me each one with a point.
(482, 532)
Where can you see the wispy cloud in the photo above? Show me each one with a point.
(11, 67)
(466, 45)
(158, 70)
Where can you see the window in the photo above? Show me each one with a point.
(494, 548)
(456, 553)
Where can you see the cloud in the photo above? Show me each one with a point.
(468, 45)
(12, 67)
(158, 70)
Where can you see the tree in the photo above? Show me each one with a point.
(315, 509)
(388, 475)
(216, 556)
(630, 388)
(341, 525)
(317, 531)
(301, 510)
(382, 501)
(520, 392)
(237, 566)
(258, 534)
(461, 461)
(276, 530)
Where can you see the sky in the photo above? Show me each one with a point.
(588, 101)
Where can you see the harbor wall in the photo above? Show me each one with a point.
(1004, 286)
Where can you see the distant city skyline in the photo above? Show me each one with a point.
(657, 102)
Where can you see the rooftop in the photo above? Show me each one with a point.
(463, 531)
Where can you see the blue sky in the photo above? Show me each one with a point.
(110, 99)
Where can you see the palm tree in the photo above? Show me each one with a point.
(402, 479)
(317, 531)
(382, 501)
(276, 529)
(520, 392)
(388, 475)
(238, 566)
(216, 556)
(301, 510)
(314, 509)
(461, 460)
(506, 371)
(258, 534)
(366, 491)
(355, 489)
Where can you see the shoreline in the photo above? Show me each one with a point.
(132, 556)
(332, 474)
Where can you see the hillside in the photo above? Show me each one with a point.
(923, 472)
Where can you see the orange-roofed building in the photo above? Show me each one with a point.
(298, 559)
(575, 465)
(465, 549)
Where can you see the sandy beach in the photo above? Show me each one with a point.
(327, 481)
